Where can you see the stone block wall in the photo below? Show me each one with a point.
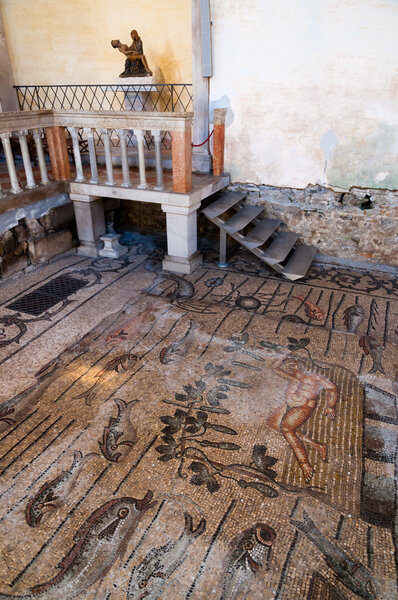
(358, 225)
(36, 240)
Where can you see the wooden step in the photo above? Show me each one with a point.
(299, 262)
(242, 218)
(261, 232)
(223, 204)
(280, 247)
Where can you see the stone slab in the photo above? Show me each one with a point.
(43, 250)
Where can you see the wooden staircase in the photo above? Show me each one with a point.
(259, 235)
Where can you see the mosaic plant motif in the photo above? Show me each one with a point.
(266, 426)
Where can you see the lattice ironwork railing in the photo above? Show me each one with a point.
(163, 97)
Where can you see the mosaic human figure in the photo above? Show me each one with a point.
(302, 396)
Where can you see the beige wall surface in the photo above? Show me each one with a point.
(68, 41)
(312, 88)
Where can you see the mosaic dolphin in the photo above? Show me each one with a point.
(119, 427)
(99, 542)
(53, 493)
(350, 572)
(150, 576)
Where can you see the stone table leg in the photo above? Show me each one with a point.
(90, 221)
(182, 248)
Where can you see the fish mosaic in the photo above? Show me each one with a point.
(150, 577)
(120, 435)
(179, 348)
(349, 570)
(261, 412)
(53, 494)
(119, 364)
(250, 555)
(98, 543)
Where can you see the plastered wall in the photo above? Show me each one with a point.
(68, 41)
(312, 88)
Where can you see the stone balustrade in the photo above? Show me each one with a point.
(64, 132)
(53, 124)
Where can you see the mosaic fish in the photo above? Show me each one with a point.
(132, 327)
(184, 290)
(250, 552)
(353, 317)
(53, 493)
(179, 348)
(350, 572)
(99, 542)
(371, 346)
(150, 576)
(125, 362)
(119, 427)
(311, 310)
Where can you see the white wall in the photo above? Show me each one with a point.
(312, 87)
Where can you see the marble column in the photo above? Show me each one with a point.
(182, 247)
(201, 158)
(90, 221)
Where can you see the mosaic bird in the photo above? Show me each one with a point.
(119, 427)
(150, 576)
(349, 571)
(53, 493)
(250, 552)
(353, 317)
(99, 542)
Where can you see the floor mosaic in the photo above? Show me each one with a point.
(223, 435)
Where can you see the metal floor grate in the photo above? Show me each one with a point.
(48, 295)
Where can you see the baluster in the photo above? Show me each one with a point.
(40, 155)
(30, 181)
(76, 154)
(158, 160)
(139, 134)
(93, 158)
(1, 193)
(125, 162)
(15, 187)
(108, 157)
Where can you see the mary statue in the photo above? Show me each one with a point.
(136, 64)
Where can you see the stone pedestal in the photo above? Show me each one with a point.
(142, 92)
(182, 255)
(112, 248)
(90, 221)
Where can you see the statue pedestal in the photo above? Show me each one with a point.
(139, 97)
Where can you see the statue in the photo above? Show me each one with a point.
(136, 64)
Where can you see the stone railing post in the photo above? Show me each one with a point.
(139, 134)
(92, 154)
(37, 134)
(219, 140)
(58, 151)
(108, 156)
(76, 154)
(15, 187)
(157, 136)
(125, 159)
(181, 152)
(30, 181)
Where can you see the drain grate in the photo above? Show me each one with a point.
(48, 295)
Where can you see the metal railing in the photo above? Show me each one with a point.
(162, 97)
